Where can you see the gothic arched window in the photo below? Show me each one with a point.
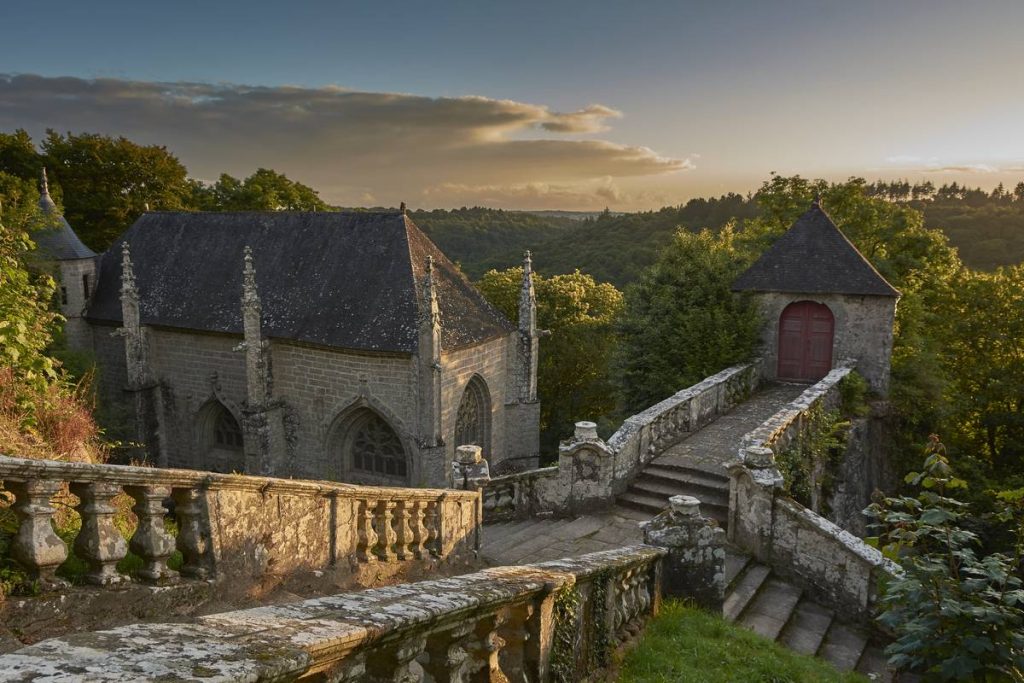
(222, 443)
(371, 449)
(473, 420)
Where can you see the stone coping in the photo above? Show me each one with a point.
(868, 554)
(649, 415)
(528, 474)
(24, 469)
(287, 641)
(769, 431)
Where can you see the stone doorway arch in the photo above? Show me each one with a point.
(806, 337)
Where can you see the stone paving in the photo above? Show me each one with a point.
(540, 540)
(710, 448)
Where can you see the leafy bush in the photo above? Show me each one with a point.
(956, 616)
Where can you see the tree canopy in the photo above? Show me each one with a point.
(573, 375)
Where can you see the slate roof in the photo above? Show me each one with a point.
(57, 240)
(814, 257)
(348, 280)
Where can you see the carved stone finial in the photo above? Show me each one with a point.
(127, 271)
(685, 506)
(527, 263)
(45, 184)
(249, 293)
(817, 200)
(585, 431)
(401, 208)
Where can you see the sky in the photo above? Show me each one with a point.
(533, 105)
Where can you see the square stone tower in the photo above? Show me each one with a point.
(822, 302)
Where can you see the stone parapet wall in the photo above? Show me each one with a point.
(647, 434)
(841, 569)
(520, 495)
(557, 621)
(233, 529)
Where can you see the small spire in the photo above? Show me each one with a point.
(817, 199)
(46, 184)
(127, 271)
(430, 264)
(401, 208)
(527, 263)
(249, 294)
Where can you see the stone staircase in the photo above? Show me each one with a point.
(659, 481)
(769, 605)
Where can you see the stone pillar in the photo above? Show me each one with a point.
(528, 335)
(469, 469)
(429, 374)
(142, 389)
(695, 566)
(262, 417)
(586, 470)
(753, 482)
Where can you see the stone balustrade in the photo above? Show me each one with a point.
(519, 495)
(841, 569)
(591, 472)
(647, 434)
(228, 527)
(557, 621)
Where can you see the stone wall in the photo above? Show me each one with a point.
(312, 386)
(71, 286)
(590, 472)
(863, 331)
(242, 533)
(839, 568)
(557, 621)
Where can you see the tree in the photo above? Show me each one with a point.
(264, 190)
(957, 616)
(573, 373)
(26, 319)
(682, 321)
(108, 182)
(18, 155)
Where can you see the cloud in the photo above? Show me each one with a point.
(594, 194)
(588, 120)
(904, 163)
(349, 144)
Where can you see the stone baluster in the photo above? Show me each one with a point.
(386, 531)
(404, 549)
(36, 546)
(193, 537)
(151, 541)
(492, 646)
(420, 534)
(399, 665)
(367, 540)
(99, 542)
(449, 657)
(433, 522)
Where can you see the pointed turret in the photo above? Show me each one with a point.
(55, 239)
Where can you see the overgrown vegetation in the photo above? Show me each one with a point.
(688, 645)
(956, 614)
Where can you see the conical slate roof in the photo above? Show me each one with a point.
(814, 257)
(348, 280)
(57, 240)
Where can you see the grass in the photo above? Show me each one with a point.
(685, 644)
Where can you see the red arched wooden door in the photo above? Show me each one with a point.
(805, 341)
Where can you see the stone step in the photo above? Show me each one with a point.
(631, 514)
(768, 613)
(539, 527)
(873, 663)
(642, 501)
(746, 587)
(843, 646)
(735, 563)
(656, 487)
(807, 628)
(687, 475)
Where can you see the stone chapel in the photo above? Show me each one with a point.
(331, 345)
(822, 303)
